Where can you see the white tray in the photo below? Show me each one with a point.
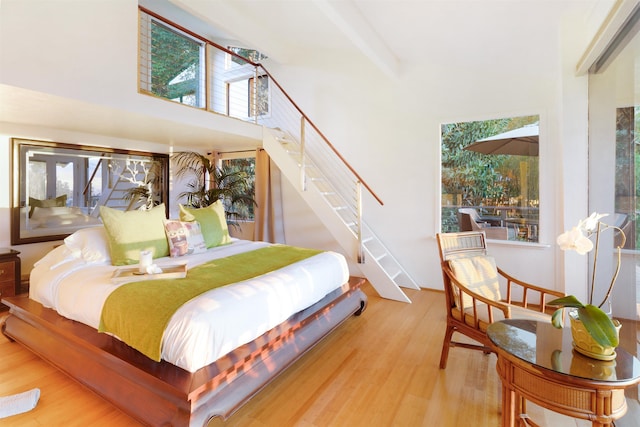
(131, 274)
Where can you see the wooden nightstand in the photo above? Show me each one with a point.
(9, 273)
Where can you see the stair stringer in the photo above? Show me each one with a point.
(373, 271)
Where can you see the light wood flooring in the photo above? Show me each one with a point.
(379, 369)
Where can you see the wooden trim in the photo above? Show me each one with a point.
(159, 393)
(217, 46)
(15, 167)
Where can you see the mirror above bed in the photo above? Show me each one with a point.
(58, 188)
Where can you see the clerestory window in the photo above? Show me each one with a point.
(172, 63)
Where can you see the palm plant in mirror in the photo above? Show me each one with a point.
(590, 318)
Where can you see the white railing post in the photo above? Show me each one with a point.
(254, 98)
(359, 221)
(303, 156)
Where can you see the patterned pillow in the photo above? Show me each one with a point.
(184, 238)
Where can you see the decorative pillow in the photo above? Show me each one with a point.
(91, 244)
(479, 274)
(184, 238)
(47, 203)
(130, 232)
(212, 220)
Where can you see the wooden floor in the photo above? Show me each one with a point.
(379, 369)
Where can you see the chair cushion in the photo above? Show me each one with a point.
(479, 274)
(517, 312)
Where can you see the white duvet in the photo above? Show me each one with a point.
(210, 325)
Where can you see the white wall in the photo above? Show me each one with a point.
(388, 129)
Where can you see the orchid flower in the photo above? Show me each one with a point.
(575, 240)
(590, 224)
(594, 319)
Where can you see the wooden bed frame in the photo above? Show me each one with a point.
(159, 393)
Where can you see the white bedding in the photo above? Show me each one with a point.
(54, 220)
(210, 325)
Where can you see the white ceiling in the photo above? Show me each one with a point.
(392, 34)
(505, 34)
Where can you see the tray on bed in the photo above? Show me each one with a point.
(132, 274)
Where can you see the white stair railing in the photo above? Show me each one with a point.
(241, 88)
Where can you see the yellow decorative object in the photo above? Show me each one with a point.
(584, 343)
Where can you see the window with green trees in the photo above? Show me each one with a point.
(172, 63)
(627, 175)
(241, 169)
(490, 177)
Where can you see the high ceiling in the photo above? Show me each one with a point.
(492, 34)
(393, 34)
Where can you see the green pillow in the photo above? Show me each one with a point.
(213, 223)
(130, 232)
(47, 203)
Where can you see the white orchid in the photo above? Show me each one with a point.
(590, 224)
(594, 319)
(575, 240)
(579, 239)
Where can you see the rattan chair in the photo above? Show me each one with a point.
(472, 284)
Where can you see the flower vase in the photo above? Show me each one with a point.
(584, 343)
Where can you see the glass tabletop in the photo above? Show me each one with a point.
(542, 345)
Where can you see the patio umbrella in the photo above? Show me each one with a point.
(517, 142)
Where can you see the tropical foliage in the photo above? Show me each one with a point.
(231, 182)
(475, 179)
(175, 64)
(627, 173)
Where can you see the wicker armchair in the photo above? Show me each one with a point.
(473, 295)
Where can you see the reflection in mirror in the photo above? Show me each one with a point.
(59, 188)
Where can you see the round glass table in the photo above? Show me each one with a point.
(537, 363)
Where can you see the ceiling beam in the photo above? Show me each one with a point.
(346, 16)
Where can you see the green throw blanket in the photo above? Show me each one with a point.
(138, 312)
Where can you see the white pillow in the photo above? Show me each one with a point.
(39, 213)
(90, 244)
(58, 256)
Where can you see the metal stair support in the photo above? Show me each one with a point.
(375, 261)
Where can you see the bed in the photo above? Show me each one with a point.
(212, 358)
(54, 220)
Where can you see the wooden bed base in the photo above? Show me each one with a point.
(159, 393)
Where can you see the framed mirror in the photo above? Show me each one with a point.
(58, 188)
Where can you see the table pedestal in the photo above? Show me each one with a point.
(537, 363)
(585, 399)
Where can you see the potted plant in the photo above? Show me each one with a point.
(595, 334)
(210, 183)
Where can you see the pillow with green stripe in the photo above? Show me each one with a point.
(130, 232)
(213, 223)
(47, 203)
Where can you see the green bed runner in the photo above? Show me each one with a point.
(138, 312)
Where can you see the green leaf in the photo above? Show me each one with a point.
(599, 325)
(568, 301)
(557, 318)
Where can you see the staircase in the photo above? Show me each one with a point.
(125, 176)
(337, 204)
